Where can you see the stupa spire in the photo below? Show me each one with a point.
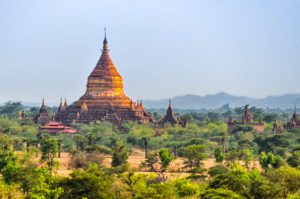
(65, 104)
(105, 43)
(60, 105)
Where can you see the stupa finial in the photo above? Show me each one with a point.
(105, 43)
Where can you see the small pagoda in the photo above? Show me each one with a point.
(170, 118)
(43, 116)
(104, 99)
(294, 122)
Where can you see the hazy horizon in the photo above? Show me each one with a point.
(56, 103)
(161, 49)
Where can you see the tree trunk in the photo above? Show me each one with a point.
(146, 148)
(223, 144)
(27, 146)
(59, 148)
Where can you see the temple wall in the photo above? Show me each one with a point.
(259, 127)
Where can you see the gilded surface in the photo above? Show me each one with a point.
(104, 99)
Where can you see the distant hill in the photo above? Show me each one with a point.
(286, 101)
(216, 101)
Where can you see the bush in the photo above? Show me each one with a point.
(218, 169)
(220, 193)
(82, 160)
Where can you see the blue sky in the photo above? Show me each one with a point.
(162, 48)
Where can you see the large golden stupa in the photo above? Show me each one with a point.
(104, 99)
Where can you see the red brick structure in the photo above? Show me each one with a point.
(294, 122)
(104, 99)
(43, 116)
(246, 121)
(170, 118)
(56, 127)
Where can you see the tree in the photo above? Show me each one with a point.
(135, 183)
(79, 140)
(279, 162)
(146, 139)
(59, 143)
(270, 117)
(10, 172)
(294, 160)
(140, 135)
(220, 193)
(165, 158)
(49, 150)
(6, 156)
(237, 179)
(9, 166)
(268, 143)
(10, 191)
(218, 169)
(119, 155)
(11, 108)
(41, 184)
(287, 180)
(83, 160)
(247, 157)
(218, 155)
(150, 162)
(90, 183)
(231, 155)
(261, 187)
(266, 160)
(194, 155)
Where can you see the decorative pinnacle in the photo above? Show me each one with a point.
(105, 43)
(65, 104)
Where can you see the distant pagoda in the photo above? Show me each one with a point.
(294, 122)
(43, 116)
(104, 99)
(171, 119)
(247, 120)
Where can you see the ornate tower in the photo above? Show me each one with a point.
(247, 118)
(42, 117)
(105, 80)
(104, 99)
(170, 117)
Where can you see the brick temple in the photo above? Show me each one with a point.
(104, 99)
(171, 119)
(43, 116)
(294, 122)
(246, 121)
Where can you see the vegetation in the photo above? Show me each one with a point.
(245, 164)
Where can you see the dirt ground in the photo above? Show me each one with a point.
(134, 160)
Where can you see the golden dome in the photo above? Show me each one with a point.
(105, 80)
